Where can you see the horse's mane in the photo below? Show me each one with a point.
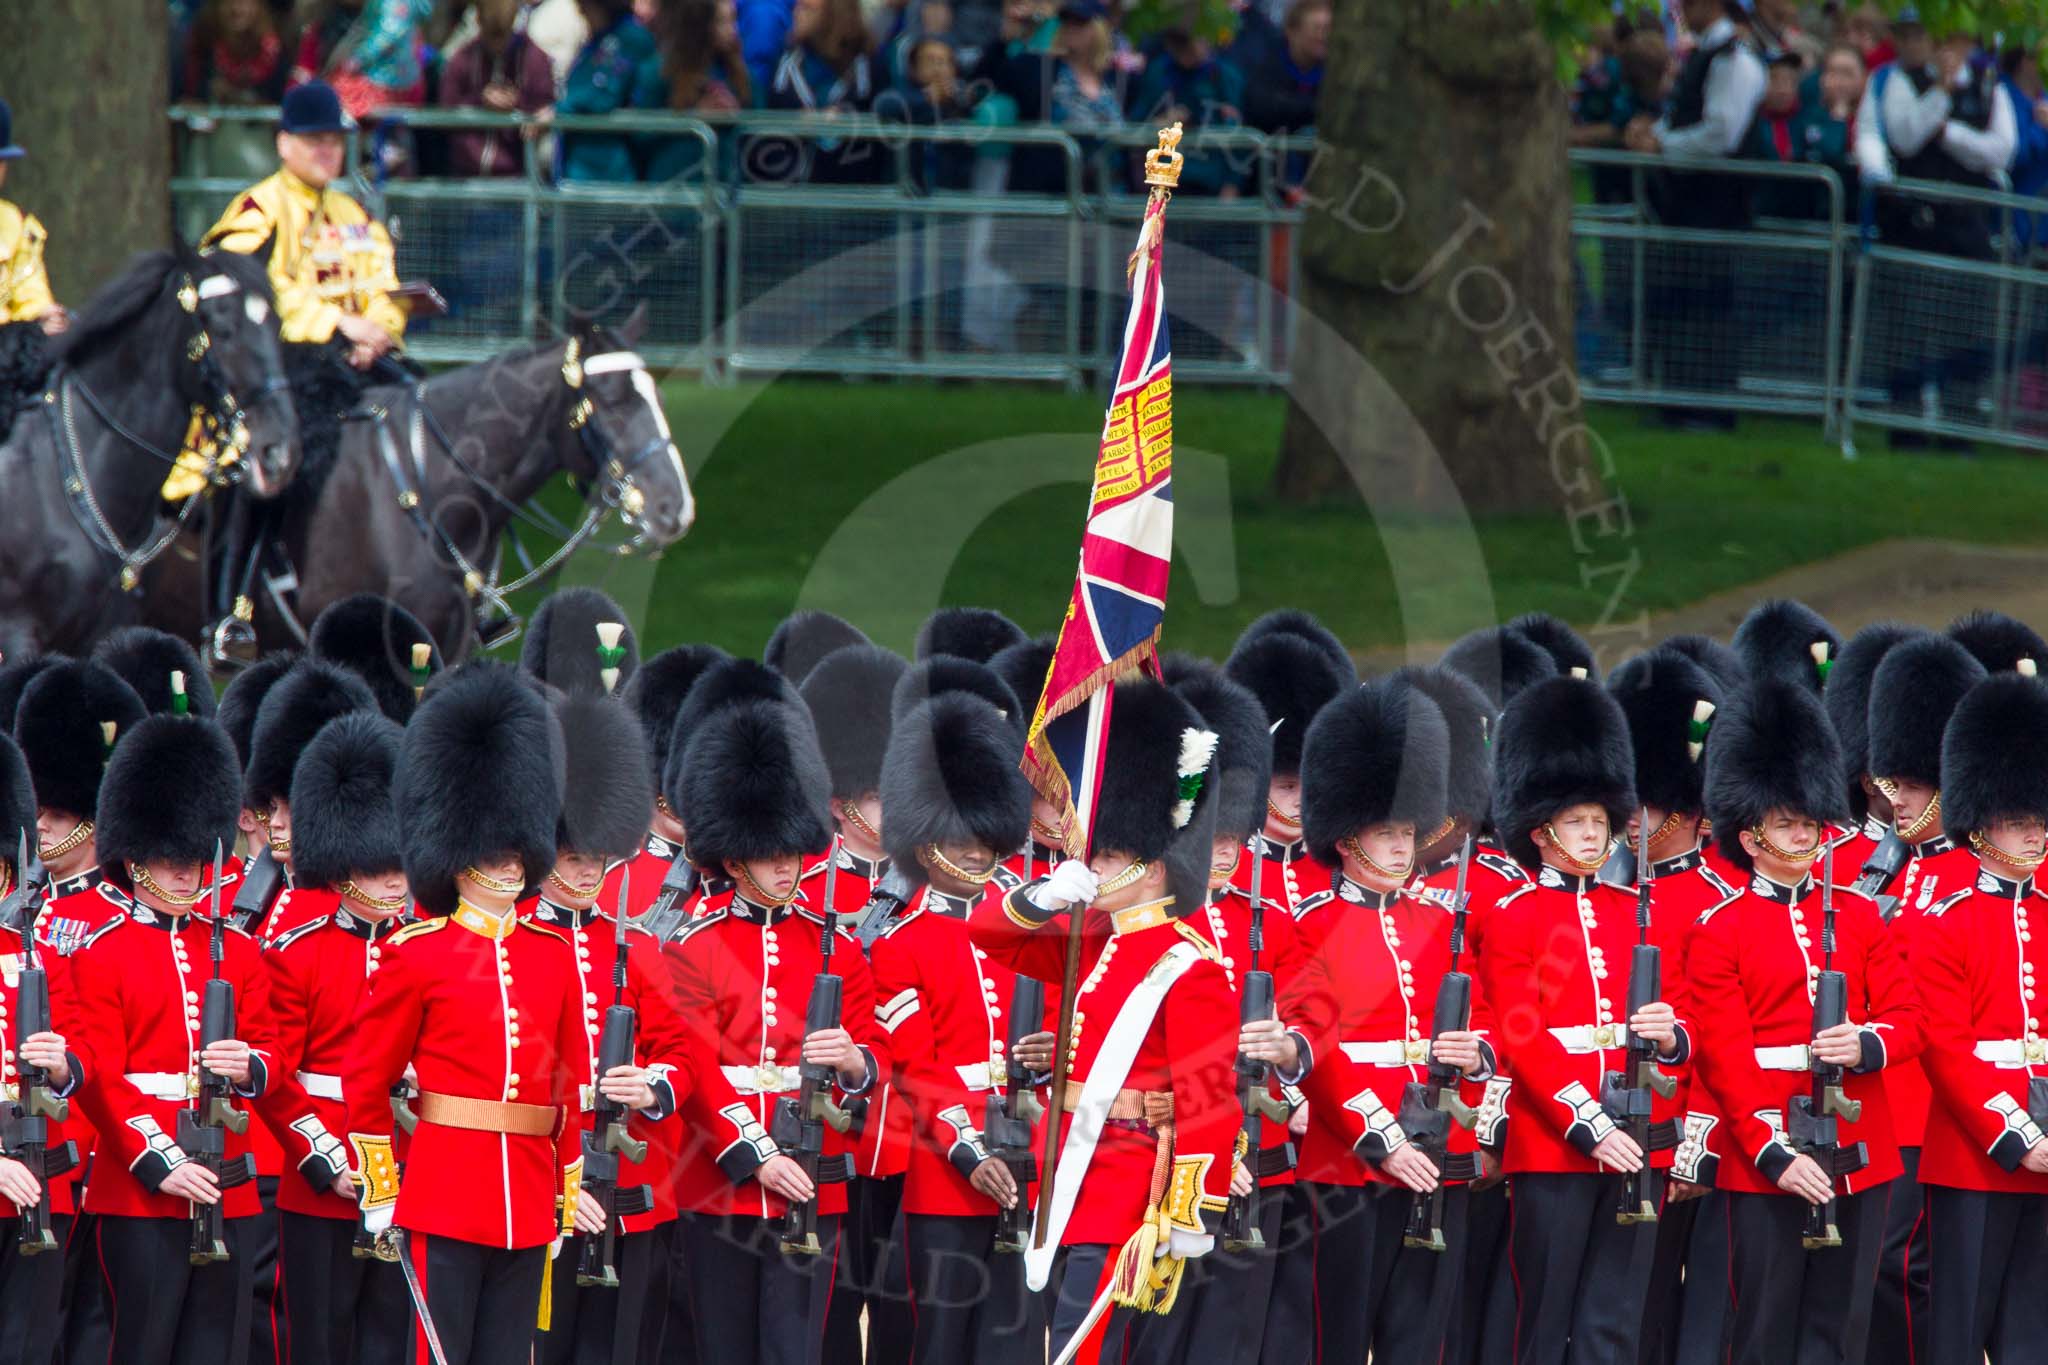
(114, 309)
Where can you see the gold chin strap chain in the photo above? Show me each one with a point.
(661, 804)
(1046, 834)
(946, 865)
(383, 905)
(1557, 846)
(1757, 832)
(139, 874)
(1130, 876)
(2022, 862)
(279, 848)
(1351, 845)
(492, 884)
(6, 880)
(1291, 821)
(1909, 833)
(581, 893)
(761, 897)
(1670, 823)
(851, 810)
(1218, 876)
(80, 832)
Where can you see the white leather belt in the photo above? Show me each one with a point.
(1791, 1057)
(2012, 1053)
(163, 1085)
(1392, 1052)
(768, 1078)
(319, 1086)
(1578, 1038)
(976, 1077)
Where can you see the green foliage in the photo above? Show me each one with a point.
(1570, 23)
(1215, 20)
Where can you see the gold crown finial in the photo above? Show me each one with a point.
(1163, 163)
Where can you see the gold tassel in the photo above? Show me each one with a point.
(546, 1316)
(1131, 1284)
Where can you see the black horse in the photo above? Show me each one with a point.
(426, 478)
(83, 466)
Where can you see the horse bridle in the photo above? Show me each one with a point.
(223, 419)
(615, 487)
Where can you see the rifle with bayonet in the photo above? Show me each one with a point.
(885, 902)
(800, 1123)
(1629, 1095)
(203, 1128)
(1812, 1124)
(608, 1139)
(1255, 1100)
(1012, 1110)
(27, 1131)
(258, 891)
(671, 904)
(1881, 869)
(1430, 1106)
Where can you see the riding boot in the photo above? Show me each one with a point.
(231, 639)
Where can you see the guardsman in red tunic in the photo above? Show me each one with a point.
(167, 806)
(952, 801)
(1915, 688)
(755, 795)
(656, 693)
(31, 1286)
(1669, 701)
(1363, 1003)
(1148, 1157)
(1755, 965)
(1556, 969)
(1984, 1164)
(336, 1305)
(1847, 699)
(482, 1007)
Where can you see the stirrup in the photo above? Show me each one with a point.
(492, 631)
(231, 644)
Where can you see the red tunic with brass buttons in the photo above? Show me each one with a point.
(1689, 887)
(63, 1012)
(946, 1007)
(744, 978)
(1226, 921)
(1291, 877)
(1751, 968)
(1940, 868)
(75, 908)
(643, 873)
(318, 972)
(482, 1009)
(1555, 968)
(1493, 877)
(1854, 848)
(136, 987)
(884, 1146)
(1976, 966)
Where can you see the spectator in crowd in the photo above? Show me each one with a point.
(558, 28)
(1083, 97)
(829, 68)
(929, 93)
(235, 55)
(1203, 93)
(921, 19)
(2023, 86)
(368, 50)
(702, 69)
(1775, 24)
(1810, 122)
(1280, 90)
(501, 70)
(1612, 94)
(616, 61)
(1870, 33)
(764, 36)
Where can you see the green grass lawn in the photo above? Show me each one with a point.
(881, 500)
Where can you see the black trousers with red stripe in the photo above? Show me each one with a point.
(31, 1295)
(162, 1309)
(1291, 1303)
(1686, 1320)
(967, 1302)
(606, 1326)
(1375, 1296)
(333, 1307)
(259, 1235)
(1127, 1337)
(1580, 1276)
(1483, 1328)
(1232, 1295)
(1987, 1277)
(1800, 1307)
(1898, 1315)
(484, 1300)
(752, 1303)
(870, 1274)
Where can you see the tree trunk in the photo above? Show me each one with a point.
(1435, 258)
(88, 81)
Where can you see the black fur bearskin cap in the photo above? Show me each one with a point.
(977, 633)
(344, 822)
(850, 696)
(1772, 749)
(1379, 753)
(61, 728)
(561, 646)
(1561, 742)
(951, 775)
(376, 637)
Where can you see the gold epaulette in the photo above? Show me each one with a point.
(1192, 935)
(418, 929)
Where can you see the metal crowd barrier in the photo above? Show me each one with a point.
(769, 242)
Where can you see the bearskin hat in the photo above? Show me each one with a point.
(18, 805)
(1773, 749)
(311, 693)
(803, 638)
(1998, 641)
(1562, 741)
(1566, 647)
(1155, 739)
(947, 673)
(608, 789)
(754, 785)
(657, 690)
(1301, 625)
(1994, 754)
(1378, 753)
(951, 775)
(1847, 700)
(849, 694)
(172, 793)
(344, 821)
(1024, 667)
(60, 726)
(1293, 676)
(243, 697)
(1468, 716)
(1780, 638)
(480, 773)
(1502, 662)
(561, 647)
(1918, 683)
(728, 682)
(1669, 701)
(977, 633)
(1723, 664)
(145, 658)
(376, 637)
(1244, 744)
(14, 680)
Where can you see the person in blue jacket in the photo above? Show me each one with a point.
(618, 58)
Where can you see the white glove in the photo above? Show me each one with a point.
(378, 1221)
(555, 1248)
(1073, 882)
(1189, 1246)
